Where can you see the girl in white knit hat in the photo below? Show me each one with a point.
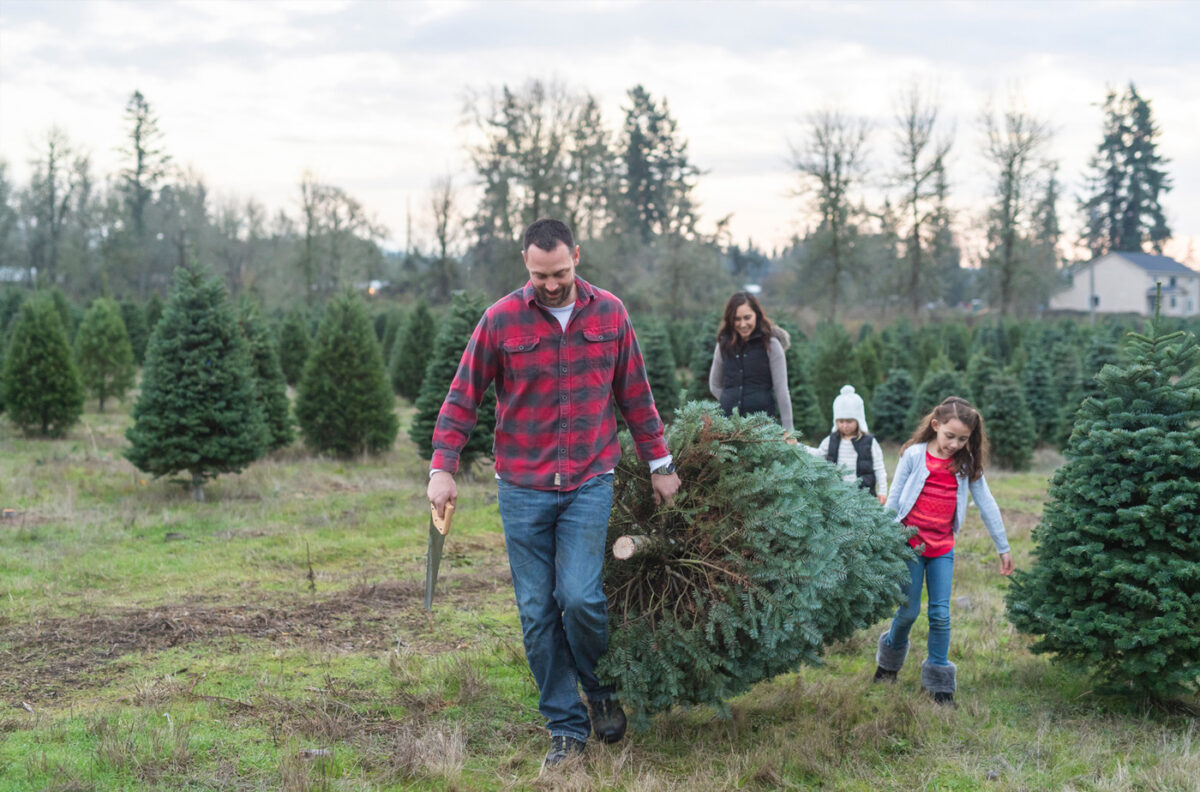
(850, 446)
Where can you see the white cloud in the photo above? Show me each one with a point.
(369, 96)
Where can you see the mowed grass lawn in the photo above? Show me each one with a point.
(273, 638)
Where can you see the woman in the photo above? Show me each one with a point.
(748, 369)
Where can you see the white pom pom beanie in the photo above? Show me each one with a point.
(849, 404)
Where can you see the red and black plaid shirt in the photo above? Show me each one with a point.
(555, 425)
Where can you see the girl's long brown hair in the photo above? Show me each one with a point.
(969, 461)
(728, 337)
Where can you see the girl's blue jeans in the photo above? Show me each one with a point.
(938, 574)
(555, 543)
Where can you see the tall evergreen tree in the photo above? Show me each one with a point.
(891, 405)
(294, 343)
(1113, 587)
(1010, 425)
(410, 355)
(41, 388)
(103, 352)
(345, 403)
(270, 386)
(448, 346)
(146, 168)
(1125, 179)
(197, 412)
(658, 176)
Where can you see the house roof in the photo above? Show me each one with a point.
(1149, 263)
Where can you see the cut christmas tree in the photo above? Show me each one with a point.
(766, 558)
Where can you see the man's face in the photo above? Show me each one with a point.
(552, 273)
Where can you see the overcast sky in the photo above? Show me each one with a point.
(369, 95)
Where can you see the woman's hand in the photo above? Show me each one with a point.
(1006, 564)
(882, 500)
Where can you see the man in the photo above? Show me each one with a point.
(560, 352)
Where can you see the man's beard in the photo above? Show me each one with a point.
(558, 300)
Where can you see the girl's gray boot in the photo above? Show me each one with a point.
(888, 660)
(939, 681)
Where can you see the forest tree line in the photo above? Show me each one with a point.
(628, 188)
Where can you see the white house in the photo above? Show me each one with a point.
(1125, 283)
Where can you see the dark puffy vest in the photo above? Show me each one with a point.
(746, 383)
(865, 469)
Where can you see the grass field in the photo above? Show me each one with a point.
(273, 638)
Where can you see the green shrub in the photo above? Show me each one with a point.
(42, 391)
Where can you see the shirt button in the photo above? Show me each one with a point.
(562, 452)
(564, 369)
(564, 397)
(563, 424)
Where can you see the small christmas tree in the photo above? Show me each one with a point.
(197, 412)
(154, 311)
(1039, 394)
(939, 382)
(891, 405)
(699, 366)
(660, 367)
(806, 415)
(448, 347)
(982, 369)
(294, 343)
(270, 387)
(1010, 426)
(1114, 587)
(410, 354)
(833, 365)
(41, 388)
(103, 353)
(345, 403)
(134, 317)
(393, 323)
(765, 559)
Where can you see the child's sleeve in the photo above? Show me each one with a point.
(989, 512)
(880, 469)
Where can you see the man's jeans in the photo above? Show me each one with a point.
(939, 574)
(555, 543)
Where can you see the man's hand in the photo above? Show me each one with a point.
(665, 487)
(442, 490)
(1006, 564)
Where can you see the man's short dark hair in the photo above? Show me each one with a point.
(547, 233)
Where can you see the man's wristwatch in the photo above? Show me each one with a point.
(665, 470)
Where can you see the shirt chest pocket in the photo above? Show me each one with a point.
(599, 349)
(521, 358)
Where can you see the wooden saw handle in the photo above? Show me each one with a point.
(442, 524)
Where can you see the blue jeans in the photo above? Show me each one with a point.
(938, 573)
(555, 543)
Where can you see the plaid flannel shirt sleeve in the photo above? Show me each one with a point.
(631, 389)
(476, 370)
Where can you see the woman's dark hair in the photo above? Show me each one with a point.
(969, 461)
(728, 337)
